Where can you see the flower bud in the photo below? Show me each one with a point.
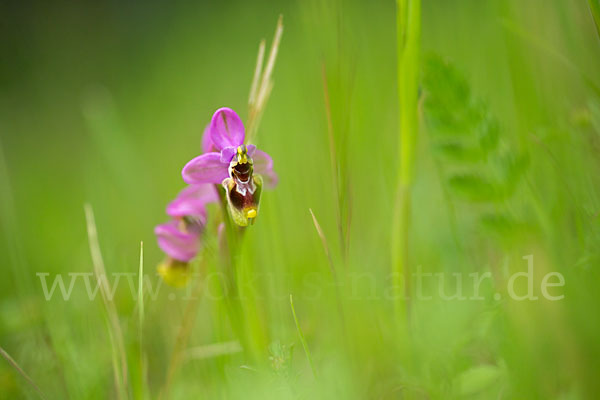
(174, 272)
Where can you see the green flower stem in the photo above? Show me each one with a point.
(595, 10)
(408, 19)
(246, 319)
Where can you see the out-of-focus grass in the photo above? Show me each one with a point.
(105, 103)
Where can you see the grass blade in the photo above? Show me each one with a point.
(257, 72)
(142, 356)
(547, 49)
(262, 84)
(213, 350)
(14, 364)
(114, 328)
(331, 268)
(595, 10)
(141, 289)
(408, 20)
(325, 244)
(302, 340)
(183, 335)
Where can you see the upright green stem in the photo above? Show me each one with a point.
(184, 333)
(408, 20)
(246, 318)
(302, 339)
(595, 10)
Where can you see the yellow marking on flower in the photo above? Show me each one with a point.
(251, 213)
(242, 155)
(174, 273)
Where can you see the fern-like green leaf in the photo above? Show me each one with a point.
(474, 188)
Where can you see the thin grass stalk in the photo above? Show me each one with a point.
(595, 11)
(142, 355)
(334, 276)
(117, 374)
(213, 350)
(541, 45)
(114, 327)
(325, 246)
(257, 73)
(183, 336)
(141, 289)
(334, 165)
(262, 83)
(8, 216)
(16, 366)
(408, 20)
(274, 49)
(302, 339)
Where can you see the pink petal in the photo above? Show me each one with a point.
(206, 168)
(263, 165)
(182, 246)
(207, 144)
(192, 201)
(226, 129)
(227, 154)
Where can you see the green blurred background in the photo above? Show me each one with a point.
(104, 102)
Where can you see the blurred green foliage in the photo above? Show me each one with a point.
(103, 103)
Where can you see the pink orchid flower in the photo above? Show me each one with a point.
(228, 161)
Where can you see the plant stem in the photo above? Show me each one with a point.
(143, 366)
(115, 333)
(245, 315)
(408, 19)
(595, 11)
(16, 366)
(184, 333)
(302, 340)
